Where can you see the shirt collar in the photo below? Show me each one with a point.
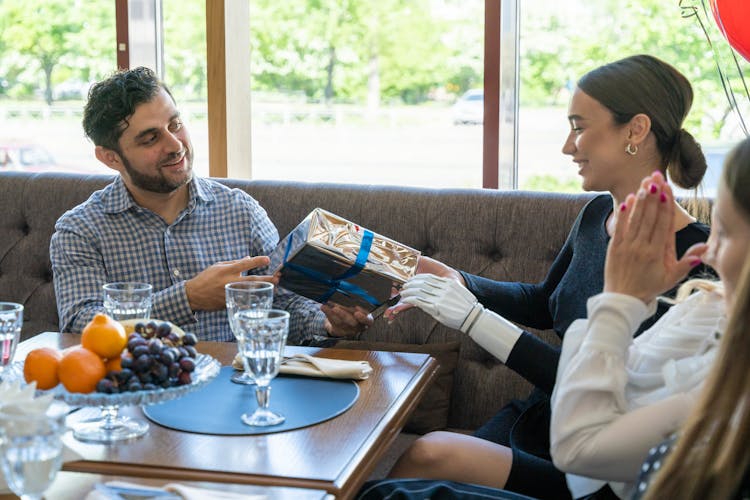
(120, 200)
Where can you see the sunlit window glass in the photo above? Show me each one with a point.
(50, 53)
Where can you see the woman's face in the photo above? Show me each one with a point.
(729, 242)
(596, 144)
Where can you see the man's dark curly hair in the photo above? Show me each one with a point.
(112, 101)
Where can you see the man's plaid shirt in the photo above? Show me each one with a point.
(109, 238)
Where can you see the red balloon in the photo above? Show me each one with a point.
(733, 19)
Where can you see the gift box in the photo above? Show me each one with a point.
(329, 259)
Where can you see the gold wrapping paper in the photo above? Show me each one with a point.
(316, 260)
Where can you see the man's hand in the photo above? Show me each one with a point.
(205, 291)
(345, 321)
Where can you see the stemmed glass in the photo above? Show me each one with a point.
(31, 451)
(263, 341)
(11, 320)
(255, 297)
(122, 300)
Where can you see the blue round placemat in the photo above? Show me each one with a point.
(216, 408)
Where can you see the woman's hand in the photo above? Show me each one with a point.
(425, 265)
(445, 299)
(641, 257)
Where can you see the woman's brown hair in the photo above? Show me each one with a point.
(648, 85)
(711, 458)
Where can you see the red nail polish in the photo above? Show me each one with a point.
(695, 262)
(653, 188)
(663, 198)
(623, 207)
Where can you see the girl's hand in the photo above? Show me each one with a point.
(641, 257)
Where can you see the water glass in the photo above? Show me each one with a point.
(252, 296)
(30, 451)
(11, 320)
(263, 341)
(127, 300)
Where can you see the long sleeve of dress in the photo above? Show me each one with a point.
(527, 304)
(612, 401)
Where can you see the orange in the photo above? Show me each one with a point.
(113, 365)
(104, 336)
(80, 369)
(41, 367)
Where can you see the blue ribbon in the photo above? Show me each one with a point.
(337, 284)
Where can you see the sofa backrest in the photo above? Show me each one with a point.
(504, 235)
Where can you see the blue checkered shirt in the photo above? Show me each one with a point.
(110, 238)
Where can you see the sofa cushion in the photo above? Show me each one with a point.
(432, 412)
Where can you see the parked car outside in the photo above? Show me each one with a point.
(25, 156)
(469, 108)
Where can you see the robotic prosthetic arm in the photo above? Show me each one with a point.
(453, 305)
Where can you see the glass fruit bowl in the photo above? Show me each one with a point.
(110, 426)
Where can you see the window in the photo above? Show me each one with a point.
(560, 41)
(368, 92)
(50, 52)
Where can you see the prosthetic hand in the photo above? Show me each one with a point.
(451, 304)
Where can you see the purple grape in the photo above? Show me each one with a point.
(184, 378)
(140, 350)
(187, 364)
(155, 346)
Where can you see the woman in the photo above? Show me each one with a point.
(619, 134)
(711, 459)
(615, 397)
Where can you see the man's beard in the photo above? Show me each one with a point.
(158, 183)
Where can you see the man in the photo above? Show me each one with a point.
(159, 224)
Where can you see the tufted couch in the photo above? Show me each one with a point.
(506, 235)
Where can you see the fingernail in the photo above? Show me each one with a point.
(663, 197)
(656, 172)
(623, 207)
(694, 262)
(653, 188)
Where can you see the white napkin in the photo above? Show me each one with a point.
(181, 490)
(310, 366)
(193, 493)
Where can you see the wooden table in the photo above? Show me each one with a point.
(336, 456)
(76, 485)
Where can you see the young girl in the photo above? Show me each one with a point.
(710, 458)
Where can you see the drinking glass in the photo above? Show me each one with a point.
(127, 300)
(31, 451)
(11, 320)
(263, 341)
(252, 296)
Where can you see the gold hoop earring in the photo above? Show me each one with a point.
(631, 150)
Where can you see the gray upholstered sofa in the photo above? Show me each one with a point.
(498, 234)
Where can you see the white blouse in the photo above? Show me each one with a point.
(616, 397)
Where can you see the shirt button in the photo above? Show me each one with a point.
(176, 272)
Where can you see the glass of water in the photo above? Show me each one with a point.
(255, 297)
(31, 451)
(263, 341)
(127, 300)
(11, 320)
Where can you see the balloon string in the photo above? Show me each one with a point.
(688, 11)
